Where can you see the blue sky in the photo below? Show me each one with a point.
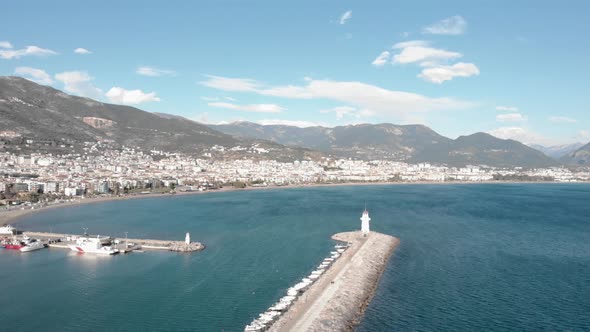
(516, 69)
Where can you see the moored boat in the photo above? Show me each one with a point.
(32, 246)
(92, 246)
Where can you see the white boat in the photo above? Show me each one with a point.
(32, 246)
(7, 230)
(92, 246)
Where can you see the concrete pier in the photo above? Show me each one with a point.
(134, 244)
(338, 299)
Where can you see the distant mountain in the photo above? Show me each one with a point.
(579, 157)
(38, 111)
(411, 143)
(557, 151)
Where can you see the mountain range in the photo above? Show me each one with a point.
(411, 143)
(557, 151)
(40, 112)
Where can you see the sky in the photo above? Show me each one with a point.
(515, 69)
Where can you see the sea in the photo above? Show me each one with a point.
(473, 257)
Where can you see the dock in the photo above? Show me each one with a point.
(125, 245)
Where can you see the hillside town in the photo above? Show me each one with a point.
(106, 171)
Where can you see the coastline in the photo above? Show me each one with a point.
(338, 300)
(13, 216)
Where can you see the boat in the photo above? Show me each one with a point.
(15, 245)
(32, 246)
(7, 230)
(92, 246)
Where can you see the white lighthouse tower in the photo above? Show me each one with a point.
(187, 238)
(365, 223)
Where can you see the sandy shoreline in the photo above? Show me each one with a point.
(12, 216)
(337, 301)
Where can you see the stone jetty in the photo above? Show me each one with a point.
(338, 299)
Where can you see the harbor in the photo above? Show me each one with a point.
(95, 244)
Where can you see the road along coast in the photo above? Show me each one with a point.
(338, 299)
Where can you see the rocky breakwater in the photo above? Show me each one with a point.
(183, 247)
(337, 301)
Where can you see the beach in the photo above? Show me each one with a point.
(336, 302)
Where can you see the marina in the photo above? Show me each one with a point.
(95, 244)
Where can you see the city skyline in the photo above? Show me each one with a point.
(457, 68)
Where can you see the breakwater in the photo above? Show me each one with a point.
(336, 300)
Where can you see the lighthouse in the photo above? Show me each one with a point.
(187, 238)
(365, 223)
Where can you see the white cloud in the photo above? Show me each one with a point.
(79, 83)
(34, 74)
(81, 50)
(256, 108)
(381, 59)
(154, 72)
(342, 111)
(371, 99)
(231, 84)
(507, 108)
(454, 25)
(523, 135)
(562, 119)
(510, 117)
(419, 51)
(29, 50)
(345, 17)
(130, 97)
(439, 74)
(205, 98)
(583, 135)
(5, 44)
(294, 123)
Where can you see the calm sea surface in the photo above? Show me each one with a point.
(472, 257)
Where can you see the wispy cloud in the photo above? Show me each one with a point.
(371, 99)
(382, 59)
(5, 44)
(510, 117)
(79, 83)
(507, 108)
(419, 51)
(294, 123)
(154, 72)
(256, 108)
(342, 111)
(344, 18)
(130, 97)
(36, 75)
(454, 25)
(439, 74)
(82, 51)
(562, 119)
(9, 53)
(524, 135)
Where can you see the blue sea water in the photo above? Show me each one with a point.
(493, 257)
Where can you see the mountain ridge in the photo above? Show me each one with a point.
(411, 143)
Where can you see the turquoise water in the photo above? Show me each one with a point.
(472, 257)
